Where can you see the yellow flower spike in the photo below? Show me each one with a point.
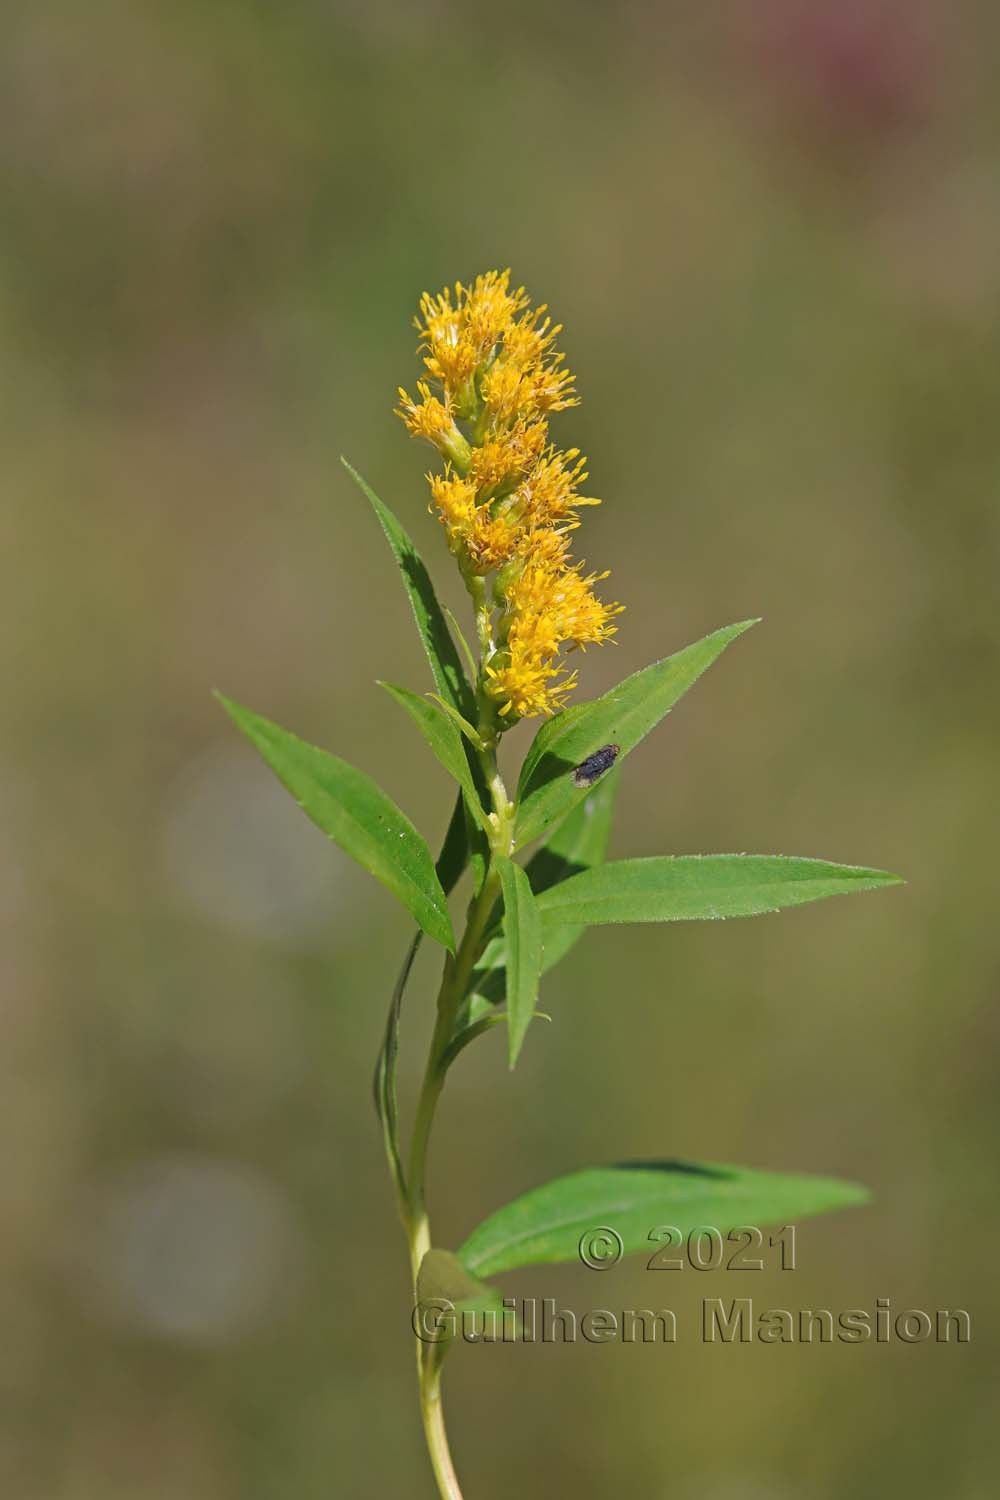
(508, 499)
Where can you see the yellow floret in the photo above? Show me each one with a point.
(524, 688)
(502, 461)
(432, 420)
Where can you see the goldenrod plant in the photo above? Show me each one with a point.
(509, 504)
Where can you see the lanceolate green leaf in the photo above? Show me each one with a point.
(445, 740)
(623, 717)
(674, 888)
(442, 654)
(666, 889)
(353, 811)
(494, 1016)
(634, 1200)
(473, 736)
(524, 951)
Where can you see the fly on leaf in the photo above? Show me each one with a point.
(595, 765)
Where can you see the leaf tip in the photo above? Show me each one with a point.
(883, 877)
(354, 474)
(231, 707)
(850, 1194)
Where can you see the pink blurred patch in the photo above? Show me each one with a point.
(869, 66)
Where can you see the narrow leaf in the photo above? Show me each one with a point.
(438, 643)
(622, 717)
(476, 1028)
(384, 1082)
(473, 736)
(441, 652)
(353, 811)
(524, 951)
(633, 1199)
(444, 739)
(675, 888)
(456, 628)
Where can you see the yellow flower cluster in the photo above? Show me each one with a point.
(507, 498)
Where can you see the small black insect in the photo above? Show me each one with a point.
(595, 765)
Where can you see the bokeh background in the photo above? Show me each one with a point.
(772, 230)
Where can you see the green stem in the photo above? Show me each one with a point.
(454, 984)
(456, 977)
(437, 1438)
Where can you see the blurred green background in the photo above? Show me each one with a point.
(772, 230)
